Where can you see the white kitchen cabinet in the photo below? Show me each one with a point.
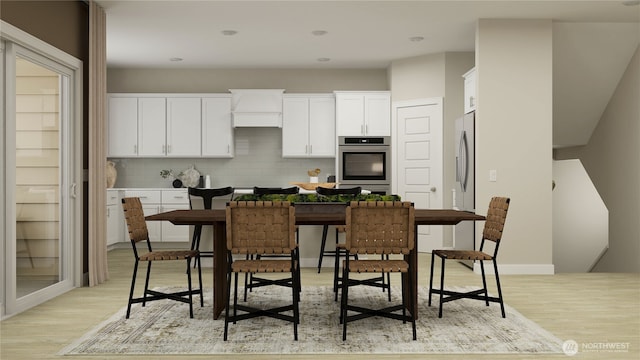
(115, 217)
(363, 113)
(183, 127)
(174, 200)
(217, 129)
(152, 131)
(122, 134)
(470, 91)
(308, 125)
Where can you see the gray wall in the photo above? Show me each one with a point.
(612, 160)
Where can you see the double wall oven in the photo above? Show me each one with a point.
(365, 162)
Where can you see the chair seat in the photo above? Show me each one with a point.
(377, 266)
(261, 266)
(462, 254)
(169, 255)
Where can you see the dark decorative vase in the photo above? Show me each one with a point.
(177, 183)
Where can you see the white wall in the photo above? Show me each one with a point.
(429, 76)
(514, 136)
(612, 159)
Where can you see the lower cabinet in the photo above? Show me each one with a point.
(161, 200)
(116, 227)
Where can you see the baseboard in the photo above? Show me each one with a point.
(517, 269)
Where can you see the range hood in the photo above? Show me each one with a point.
(256, 107)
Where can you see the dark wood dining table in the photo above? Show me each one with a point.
(306, 214)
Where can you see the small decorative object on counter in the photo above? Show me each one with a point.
(177, 183)
(190, 177)
(112, 174)
(207, 182)
(313, 175)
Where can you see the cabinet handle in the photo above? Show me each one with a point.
(471, 101)
(228, 149)
(135, 149)
(168, 149)
(306, 149)
(310, 149)
(366, 129)
(164, 148)
(362, 130)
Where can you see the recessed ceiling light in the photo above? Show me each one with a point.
(631, 3)
(175, 59)
(324, 59)
(229, 32)
(319, 32)
(416, 38)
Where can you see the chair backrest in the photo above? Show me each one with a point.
(134, 216)
(275, 190)
(380, 227)
(207, 195)
(340, 191)
(261, 227)
(495, 219)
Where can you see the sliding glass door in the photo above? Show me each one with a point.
(40, 145)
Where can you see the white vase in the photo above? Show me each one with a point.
(111, 173)
(313, 179)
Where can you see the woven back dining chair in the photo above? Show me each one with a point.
(250, 280)
(260, 228)
(379, 228)
(138, 233)
(493, 227)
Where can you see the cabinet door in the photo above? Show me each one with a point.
(174, 233)
(295, 127)
(217, 132)
(183, 127)
(470, 91)
(123, 127)
(154, 227)
(322, 127)
(377, 115)
(115, 223)
(152, 127)
(350, 114)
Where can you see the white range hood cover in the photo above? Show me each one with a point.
(256, 107)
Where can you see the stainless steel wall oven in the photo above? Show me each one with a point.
(365, 162)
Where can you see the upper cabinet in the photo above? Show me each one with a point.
(469, 91)
(308, 125)
(217, 129)
(183, 127)
(169, 125)
(363, 113)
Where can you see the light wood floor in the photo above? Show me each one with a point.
(588, 308)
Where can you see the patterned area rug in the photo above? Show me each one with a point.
(467, 326)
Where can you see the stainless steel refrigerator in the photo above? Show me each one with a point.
(465, 181)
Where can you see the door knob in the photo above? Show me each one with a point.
(433, 189)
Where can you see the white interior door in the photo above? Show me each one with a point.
(418, 159)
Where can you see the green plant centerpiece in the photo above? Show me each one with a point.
(315, 198)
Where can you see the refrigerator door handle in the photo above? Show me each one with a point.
(464, 162)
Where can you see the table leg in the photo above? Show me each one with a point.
(412, 259)
(219, 269)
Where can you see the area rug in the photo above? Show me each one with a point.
(467, 326)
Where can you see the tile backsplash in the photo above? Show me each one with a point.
(258, 162)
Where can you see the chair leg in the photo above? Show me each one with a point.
(295, 292)
(146, 283)
(495, 269)
(325, 229)
(484, 283)
(441, 287)
(412, 304)
(343, 306)
(133, 284)
(190, 288)
(336, 269)
(200, 282)
(431, 278)
(226, 312)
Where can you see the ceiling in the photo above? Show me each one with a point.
(371, 34)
